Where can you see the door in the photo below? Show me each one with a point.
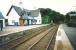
(1, 22)
(27, 21)
(6, 22)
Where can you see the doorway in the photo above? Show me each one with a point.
(1, 22)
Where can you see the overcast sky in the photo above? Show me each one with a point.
(62, 6)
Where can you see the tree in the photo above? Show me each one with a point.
(51, 15)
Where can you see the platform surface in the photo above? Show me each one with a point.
(62, 40)
(13, 29)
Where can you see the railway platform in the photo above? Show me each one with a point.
(13, 29)
(62, 40)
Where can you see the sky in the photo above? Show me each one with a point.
(62, 6)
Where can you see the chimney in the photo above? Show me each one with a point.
(21, 5)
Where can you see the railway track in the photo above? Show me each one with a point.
(39, 42)
(19, 35)
(51, 43)
(45, 42)
(12, 44)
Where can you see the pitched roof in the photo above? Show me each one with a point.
(33, 13)
(17, 9)
(1, 16)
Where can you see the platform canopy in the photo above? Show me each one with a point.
(1, 16)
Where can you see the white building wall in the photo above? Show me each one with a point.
(38, 18)
(13, 17)
(3, 22)
(25, 22)
(30, 22)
